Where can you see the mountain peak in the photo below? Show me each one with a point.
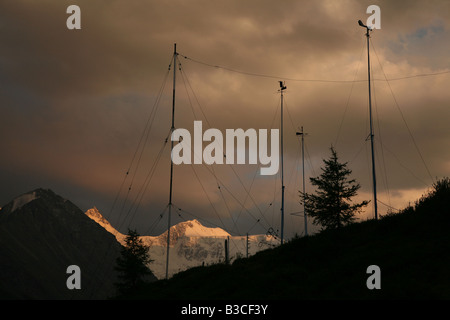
(24, 199)
(194, 228)
(41, 234)
(95, 215)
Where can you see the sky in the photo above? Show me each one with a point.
(81, 108)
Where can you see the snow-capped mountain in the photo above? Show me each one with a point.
(191, 244)
(41, 235)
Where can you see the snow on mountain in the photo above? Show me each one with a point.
(95, 215)
(194, 228)
(191, 244)
(22, 200)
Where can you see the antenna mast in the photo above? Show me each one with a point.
(175, 54)
(282, 88)
(301, 133)
(371, 123)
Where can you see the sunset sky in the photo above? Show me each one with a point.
(74, 104)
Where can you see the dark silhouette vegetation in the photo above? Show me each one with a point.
(132, 263)
(411, 247)
(331, 206)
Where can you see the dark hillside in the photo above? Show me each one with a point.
(412, 249)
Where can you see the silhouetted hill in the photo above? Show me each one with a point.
(412, 249)
(41, 234)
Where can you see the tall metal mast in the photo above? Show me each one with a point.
(282, 88)
(175, 54)
(301, 133)
(374, 179)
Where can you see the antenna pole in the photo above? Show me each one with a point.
(301, 133)
(175, 54)
(282, 88)
(371, 132)
(247, 247)
(303, 175)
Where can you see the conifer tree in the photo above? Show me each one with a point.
(132, 263)
(331, 205)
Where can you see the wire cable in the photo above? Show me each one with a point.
(403, 118)
(310, 80)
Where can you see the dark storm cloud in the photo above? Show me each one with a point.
(74, 103)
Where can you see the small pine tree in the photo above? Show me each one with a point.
(331, 206)
(132, 263)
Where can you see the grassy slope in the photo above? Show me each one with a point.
(412, 249)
